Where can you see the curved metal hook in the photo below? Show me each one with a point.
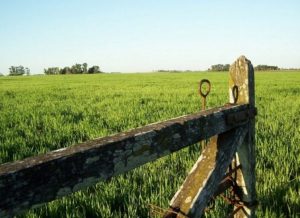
(202, 82)
(235, 93)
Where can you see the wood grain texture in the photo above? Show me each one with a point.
(29, 183)
(242, 75)
(207, 173)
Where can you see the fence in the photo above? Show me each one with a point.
(33, 181)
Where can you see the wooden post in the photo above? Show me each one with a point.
(242, 76)
(204, 178)
(28, 183)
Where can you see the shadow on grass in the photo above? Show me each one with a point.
(279, 202)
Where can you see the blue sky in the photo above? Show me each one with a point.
(137, 35)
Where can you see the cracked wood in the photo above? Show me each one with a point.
(242, 75)
(29, 183)
(206, 174)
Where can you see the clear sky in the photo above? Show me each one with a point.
(145, 35)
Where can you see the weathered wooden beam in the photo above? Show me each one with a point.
(207, 173)
(28, 183)
(242, 76)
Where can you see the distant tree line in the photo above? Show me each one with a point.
(75, 69)
(174, 71)
(18, 71)
(84, 69)
(219, 67)
(169, 71)
(225, 67)
(266, 67)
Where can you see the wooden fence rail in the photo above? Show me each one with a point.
(33, 181)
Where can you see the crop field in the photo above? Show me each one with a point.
(43, 113)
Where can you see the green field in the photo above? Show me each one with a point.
(43, 113)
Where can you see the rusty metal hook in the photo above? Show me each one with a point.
(202, 82)
(204, 95)
(235, 93)
(201, 91)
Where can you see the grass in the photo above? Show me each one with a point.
(43, 113)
